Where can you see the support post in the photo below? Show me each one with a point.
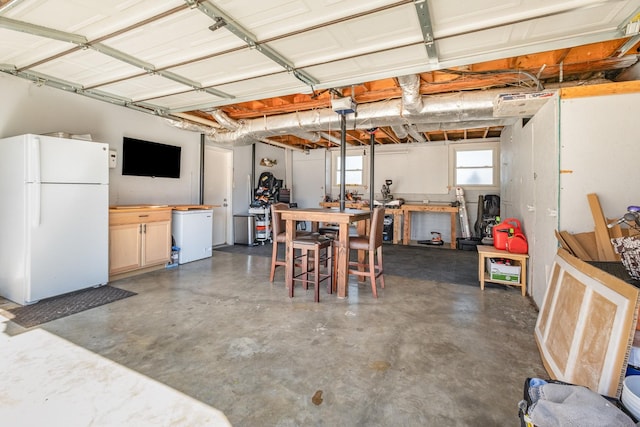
(343, 156)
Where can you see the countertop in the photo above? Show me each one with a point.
(135, 208)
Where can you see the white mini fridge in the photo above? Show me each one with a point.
(193, 233)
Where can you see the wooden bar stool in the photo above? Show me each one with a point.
(373, 245)
(278, 236)
(319, 250)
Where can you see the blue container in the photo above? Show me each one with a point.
(632, 370)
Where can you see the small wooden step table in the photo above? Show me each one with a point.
(485, 252)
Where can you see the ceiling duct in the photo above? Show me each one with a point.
(415, 134)
(330, 138)
(411, 98)
(224, 120)
(457, 107)
(475, 124)
(400, 131)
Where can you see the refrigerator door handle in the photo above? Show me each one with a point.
(37, 196)
(34, 160)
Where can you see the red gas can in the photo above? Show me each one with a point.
(501, 232)
(517, 244)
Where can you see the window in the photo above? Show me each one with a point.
(354, 169)
(475, 165)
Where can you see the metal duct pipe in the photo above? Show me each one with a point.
(400, 131)
(430, 127)
(415, 134)
(455, 108)
(224, 120)
(411, 98)
(330, 138)
(309, 136)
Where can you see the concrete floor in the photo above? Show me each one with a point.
(424, 353)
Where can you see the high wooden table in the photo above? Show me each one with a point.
(396, 212)
(409, 209)
(342, 218)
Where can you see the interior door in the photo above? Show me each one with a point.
(308, 176)
(218, 169)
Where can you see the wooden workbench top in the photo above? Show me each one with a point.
(429, 207)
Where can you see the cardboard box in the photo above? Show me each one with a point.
(498, 270)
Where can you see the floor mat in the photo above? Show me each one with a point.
(61, 306)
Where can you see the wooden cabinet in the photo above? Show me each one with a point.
(139, 239)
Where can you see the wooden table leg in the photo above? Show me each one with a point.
(481, 261)
(343, 260)
(289, 255)
(406, 235)
(454, 232)
(363, 228)
(523, 276)
(397, 228)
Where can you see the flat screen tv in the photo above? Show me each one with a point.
(145, 158)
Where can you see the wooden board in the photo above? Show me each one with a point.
(575, 246)
(603, 240)
(586, 325)
(606, 89)
(588, 242)
(563, 243)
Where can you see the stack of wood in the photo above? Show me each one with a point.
(595, 245)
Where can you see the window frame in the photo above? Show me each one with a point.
(493, 146)
(335, 155)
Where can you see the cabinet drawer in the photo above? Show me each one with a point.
(142, 216)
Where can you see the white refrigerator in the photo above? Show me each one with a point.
(54, 220)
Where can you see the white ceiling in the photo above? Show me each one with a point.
(161, 55)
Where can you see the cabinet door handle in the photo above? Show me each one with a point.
(144, 228)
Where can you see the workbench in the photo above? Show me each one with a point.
(408, 210)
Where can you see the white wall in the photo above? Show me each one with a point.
(308, 186)
(544, 209)
(419, 172)
(272, 153)
(243, 183)
(599, 152)
(529, 190)
(570, 148)
(29, 108)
